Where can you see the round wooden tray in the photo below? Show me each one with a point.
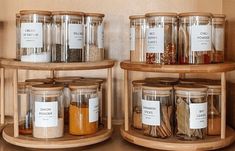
(68, 141)
(11, 63)
(210, 143)
(203, 68)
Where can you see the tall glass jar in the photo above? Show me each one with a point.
(17, 36)
(137, 38)
(157, 111)
(218, 36)
(68, 36)
(191, 112)
(48, 111)
(195, 35)
(83, 109)
(35, 39)
(161, 38)
(94, 39)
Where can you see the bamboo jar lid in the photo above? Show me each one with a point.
(74, 13)
(92, 80)
(94, 15)
(46, 81)
(83, 85)
(158, 87)
(188, 14)
(155, 14)
(195, 88)
(47, 87)
(138, 82)
(219, 16)
(39, 12)
(137, 17)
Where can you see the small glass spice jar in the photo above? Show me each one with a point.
(157, 110)
(35, 39)
(137, 38)
(191, 112)
(48, 111)
(94, 37)
(195, 38)
(218, 37)
(68, 36)
(17, 36)
(83, 109)
(161, 38)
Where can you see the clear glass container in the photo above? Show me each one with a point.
(195, 38)
(83, 109)
(17, 36)
(137, 38)
(218, 37)
(48, 111)
(191, 112)
(94, 37)
(35, 39)
(157, 111)
(161, 38)
(68, 36)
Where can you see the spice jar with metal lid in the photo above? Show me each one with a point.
(157, 110)
(35, 39)
(195, 38)
(83, 109)
(68, 36)
(161, 38)
(48, 111)
(18, 36)
(137, 38)
(218, 37)
(191, 112)
(94, 37)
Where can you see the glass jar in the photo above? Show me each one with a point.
(94, 41)
(83, 109)
(161, 38)
(218, 36)
(137, 38)
(191, 112)
(35, 39)
(157, 110)
(48, 111)
(17, 36)
(68, 36)
(136, 103)
(195, 35)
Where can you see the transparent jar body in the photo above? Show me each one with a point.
(35, 39)
(218, 37)
(157, 105)
(68, 38)
(161, 40)
(137, 39)
(17, 36)
(83, 111)
(195, 45)
(136, 106)
(94, 38)
(48, 113)
(191, 114)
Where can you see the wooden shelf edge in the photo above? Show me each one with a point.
(210, 143)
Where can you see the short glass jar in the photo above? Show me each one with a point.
(35, 39)
(83, 109)
(195, 38)
(191, 112)
(68, 36)
(48, 111)
(161, 38)
(137, 38)
(157, 110)
(94, 37)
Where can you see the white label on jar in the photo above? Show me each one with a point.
(100, 36)
(219, 39)
(93, 109)
(31, 35)
(155, 40)
(75, 36)
(198, 115)
(46, 114)
(151, 112)
(201, 38)
(132, 38)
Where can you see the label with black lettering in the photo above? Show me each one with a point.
(155, 40)
(198, 115)
(151, 112)
(75, 36)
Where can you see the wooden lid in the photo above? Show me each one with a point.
(40, 12)
(47, 80)
(219, 15)
(157, 87)
(138, 82)
(190, 87)
(66, 79)
(195, 14)
(47, 87)
(163, 80)
(161, 14)
(94, 14)
(83, 85)
(68, 13)
(137, 17)
(211, 85)
(92, 80)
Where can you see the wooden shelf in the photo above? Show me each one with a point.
(68, 141)
(203, 68)
(210, 143)
(14, 64)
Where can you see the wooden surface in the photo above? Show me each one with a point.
(68, 141)
(15, 105)
(2, 103)
(210, 143)
(208, 68)
(109, 98)
(223, 105)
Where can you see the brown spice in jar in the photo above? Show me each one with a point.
(137, 118)
(214, 125)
